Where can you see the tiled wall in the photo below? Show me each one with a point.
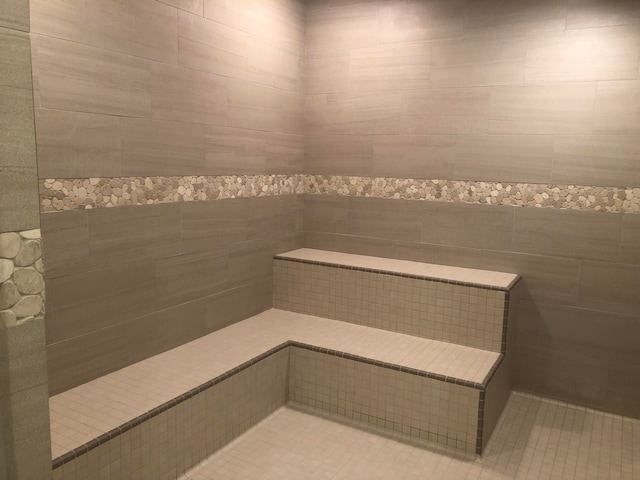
(420, 408)
(163, 444)
(447, 312)
(24, 437)
(531, 92)
(163, 90)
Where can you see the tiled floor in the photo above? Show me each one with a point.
(87, 411)
(535, 439)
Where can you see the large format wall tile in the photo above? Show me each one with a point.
(555, 109)
(597, 160)
(566, 233)
(185, 95)
(630, 239)
(151, 29)
(65, 242)
(209, 226)
(390, 67)
(478, 62)
(391, 219)
(122, 235)
(81, 359)
(193, 6)
(583, 55)
(414, 156)
(14, 14)
(16, 115)
(70, 76)
(156, 147)
(617, 106)
(416, 20)
(504, 157)
(212, 47)
(611, 287)
(87, 302)
(72, 144)
(476, 226)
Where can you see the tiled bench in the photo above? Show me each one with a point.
(157, 418)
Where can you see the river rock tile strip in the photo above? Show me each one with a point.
(71, 194)
(21, 277)
(575, 197)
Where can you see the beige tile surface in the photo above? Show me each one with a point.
(534, 439)
(482, 277)
(96, 407)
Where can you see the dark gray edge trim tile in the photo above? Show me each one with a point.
(480, 422)
(398, 274)
(105, 437)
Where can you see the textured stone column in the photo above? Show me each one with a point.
(25, 446)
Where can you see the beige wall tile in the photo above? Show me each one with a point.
(567, 233)
(413, 156)
(607, 53)
(185, 95)
(65, 239)
(363, 113)
(475, 226)
(233, 305)
(254, 119)
(156, 147)
(390, 67)
(212, 226)
(249, 261)
(78, 145)
(560, 375)
(611, 287)
(593, 13)
(617, 106)
(325, 213)
(630, 239)
(416, 20)
(17, 145)
(81, 359)
(212, 47)
(564, 109)
(191, 276)
(160, 331)
(515, 158)
(270, 65)
(597, 160)
(338, 154)
(233, 151)
(85, 303)
(382, 218)
(121, 235)
(477, 62)
(327, 72)
(340, 27)
(92, 87)
(545, 278)
(19, 205)
(446, 111)
(527, 16)
(284, 153)
(151, 29)
(14, 14)
(193, 6)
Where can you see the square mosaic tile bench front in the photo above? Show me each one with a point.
(157, 418)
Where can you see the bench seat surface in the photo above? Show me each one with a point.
(89, 410)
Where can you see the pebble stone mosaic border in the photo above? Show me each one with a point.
(72, 194)
(21, 277)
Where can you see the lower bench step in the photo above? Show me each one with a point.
(186, 403)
